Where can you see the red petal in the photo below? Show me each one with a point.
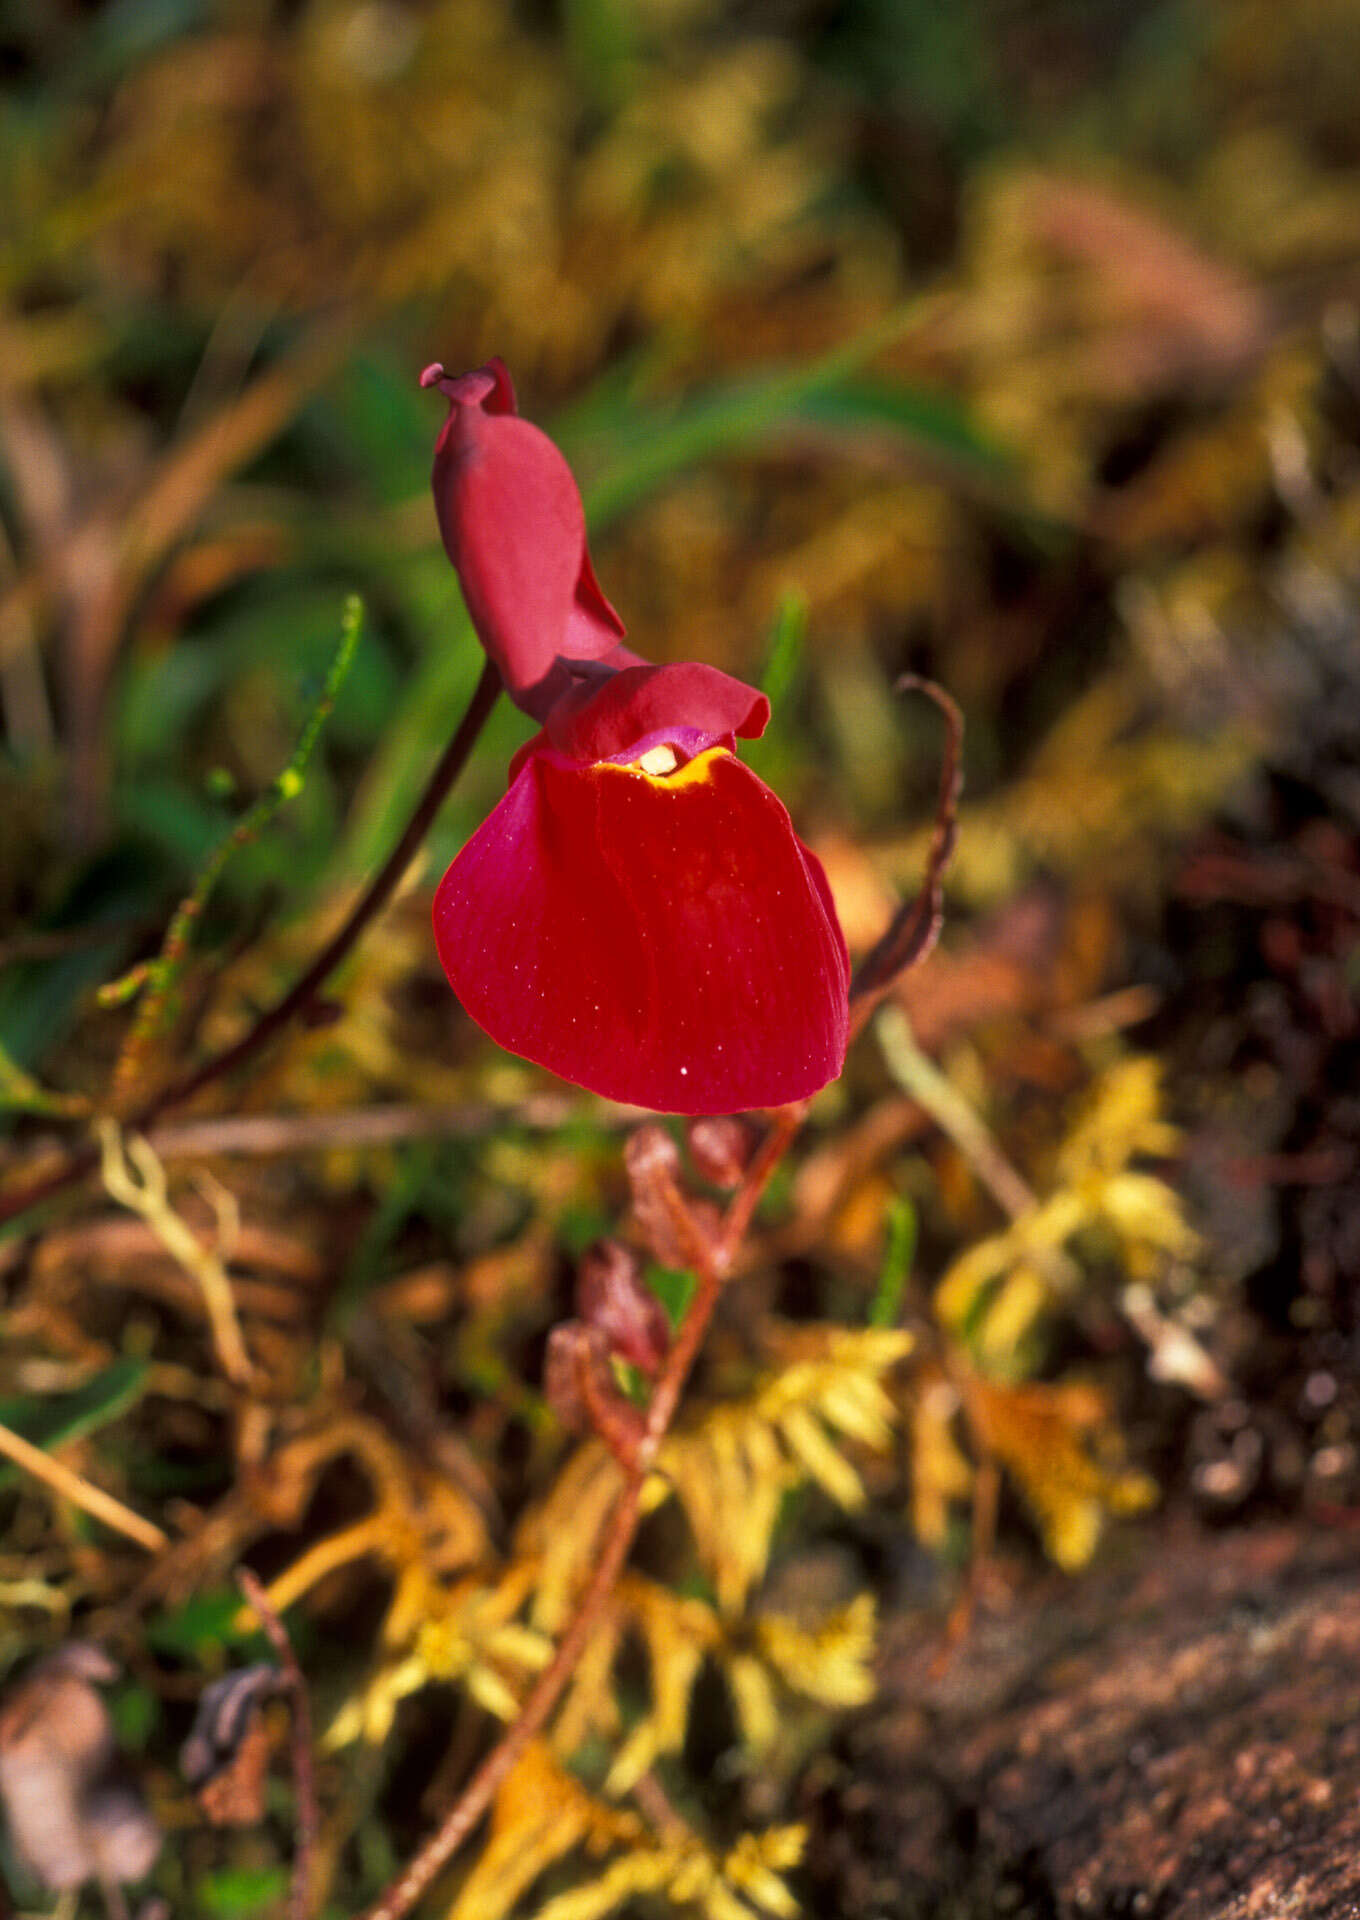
(662, 941)
(514, 527)
(598, 722)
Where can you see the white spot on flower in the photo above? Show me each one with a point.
(659, 760)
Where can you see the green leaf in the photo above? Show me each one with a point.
(374, 419)
(405, 1195)
(136, 1712)
(773, 758)
(599, 35)
(159, 1002)
(625, 448)
(50, 1420)
(39, 998)
(932, 419)
(232, 1893)
(581, 1223)
(21, 1093)
(673, 1287)
(785, 649)
(124, 35)
(202, 1625)
(896, 1268)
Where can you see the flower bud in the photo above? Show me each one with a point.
(660, 1206)
(514, 528)
(613, 1297)
(562, 1377)
(720, 1147)
(579, 1386)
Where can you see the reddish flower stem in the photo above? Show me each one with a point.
(307, 986)
(757, 1177)
(620, 1530)
(907, 942)
(487, 1781)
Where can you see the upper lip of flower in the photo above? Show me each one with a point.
(514, 527)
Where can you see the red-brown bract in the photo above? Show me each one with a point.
(637, 914)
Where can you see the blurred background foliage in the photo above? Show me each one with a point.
(888, 307)
(1017, 344)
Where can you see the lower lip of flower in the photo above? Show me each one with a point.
(651, 928)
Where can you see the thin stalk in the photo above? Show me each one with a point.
(159, 997)
(305, 989)
(620, 1530)
(80, 1492)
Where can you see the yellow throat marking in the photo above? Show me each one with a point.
(658, 767)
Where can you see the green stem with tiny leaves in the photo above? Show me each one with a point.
(159, 978)
(304, 990)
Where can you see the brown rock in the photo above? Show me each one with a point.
(1179, 1740)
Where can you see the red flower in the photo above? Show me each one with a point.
(638, 914)
(515, 529)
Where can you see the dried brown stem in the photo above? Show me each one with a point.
(305, 989)
(304, 1774)
(655, 1805)
(936, 1095)
(377, 1126)
(915, 927)
(670, 1225)
(80, 1492)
